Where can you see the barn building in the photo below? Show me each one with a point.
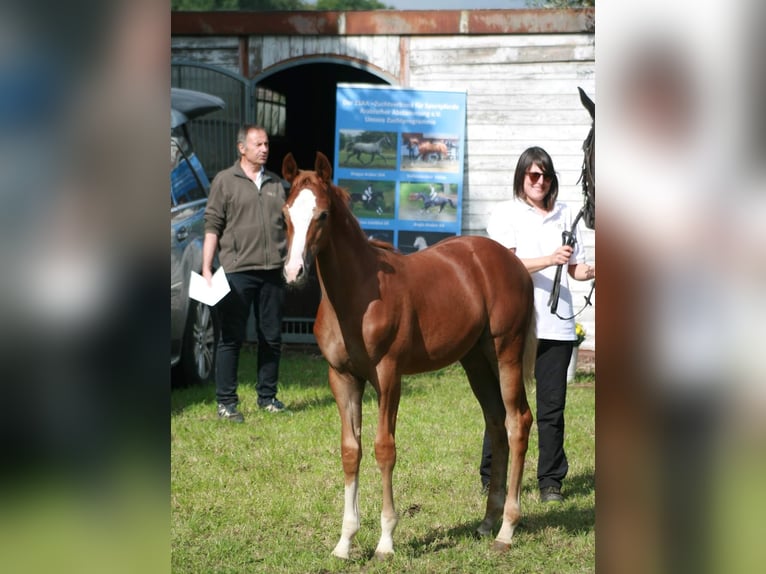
(520, 70)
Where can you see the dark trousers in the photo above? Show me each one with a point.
(551, 383)
(264, 291)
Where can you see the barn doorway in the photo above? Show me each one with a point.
(309, 90)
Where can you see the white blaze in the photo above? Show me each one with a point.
(301, 214)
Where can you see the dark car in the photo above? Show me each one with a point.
(193, 326)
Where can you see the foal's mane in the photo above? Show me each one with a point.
(383, 245)
(340, 194)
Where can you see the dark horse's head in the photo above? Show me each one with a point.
(589, 165)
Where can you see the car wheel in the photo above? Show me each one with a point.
(200, 341)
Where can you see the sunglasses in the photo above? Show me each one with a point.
(534, 176)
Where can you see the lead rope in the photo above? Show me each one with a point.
(568, 238)
(587, 303)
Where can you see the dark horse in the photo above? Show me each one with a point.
(588, 211)
(438, 201)
(375, 324)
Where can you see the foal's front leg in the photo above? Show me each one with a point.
(348, 391)
(389, 386)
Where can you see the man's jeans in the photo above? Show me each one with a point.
(264, 292)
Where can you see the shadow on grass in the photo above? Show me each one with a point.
(579, 485)
(441, 539)
(538, 517)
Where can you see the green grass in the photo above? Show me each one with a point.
(267, 495)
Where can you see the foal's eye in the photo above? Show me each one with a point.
(322, 216)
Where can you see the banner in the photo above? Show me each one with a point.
(399, 153)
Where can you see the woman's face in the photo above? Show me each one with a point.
(537, 184)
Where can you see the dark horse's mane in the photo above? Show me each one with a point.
(588, 175)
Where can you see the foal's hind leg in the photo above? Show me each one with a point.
(486, 388)
(518, 421)
(499, 391)
(348, 393)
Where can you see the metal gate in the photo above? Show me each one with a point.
(246, 103)
(214, 136)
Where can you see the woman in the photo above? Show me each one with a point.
(531, 225)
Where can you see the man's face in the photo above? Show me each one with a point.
(256, 147)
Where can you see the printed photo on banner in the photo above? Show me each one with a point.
(373, 199)
(429, 152)
(428, 201)
(370, 149)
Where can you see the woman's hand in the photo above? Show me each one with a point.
(561, 255)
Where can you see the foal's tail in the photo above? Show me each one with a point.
(530, 352)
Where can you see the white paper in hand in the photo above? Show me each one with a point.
(200, 291)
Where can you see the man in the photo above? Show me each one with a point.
(244, 224)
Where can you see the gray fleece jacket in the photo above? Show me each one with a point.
(248, 221)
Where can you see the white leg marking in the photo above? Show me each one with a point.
(350, 520)
(387, 527)
(506, 532)
(301, 213)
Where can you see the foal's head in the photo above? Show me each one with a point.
(306, 212)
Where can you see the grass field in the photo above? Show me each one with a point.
(267, 495)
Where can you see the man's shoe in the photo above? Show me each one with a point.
(551, 494)
(271, 405)
(230, 413)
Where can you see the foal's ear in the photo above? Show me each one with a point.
(322, 167)
(289, 168)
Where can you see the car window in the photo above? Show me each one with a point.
(179, 146)
(188, 181)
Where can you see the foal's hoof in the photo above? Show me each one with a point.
(383, 556)
(341, 553)
(500, 547)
